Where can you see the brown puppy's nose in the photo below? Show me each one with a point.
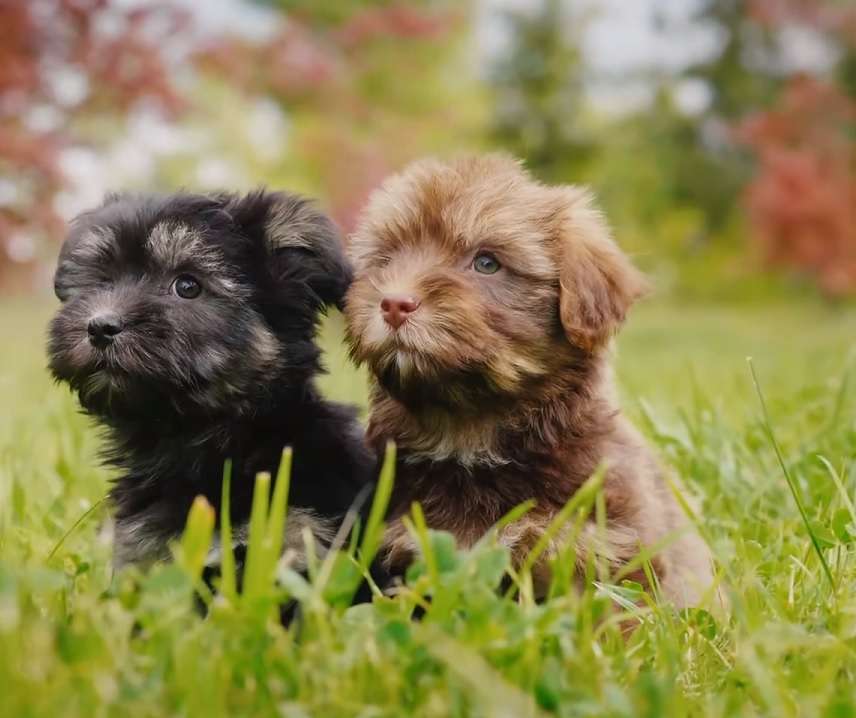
(395, 309)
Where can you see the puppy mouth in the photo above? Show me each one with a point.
(105, 364)
(99, 375)
(421, 380)
(407, 356)
(412, 338)
(445, 368)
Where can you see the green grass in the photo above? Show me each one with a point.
(73, 641)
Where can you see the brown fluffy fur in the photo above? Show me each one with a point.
(497, 389)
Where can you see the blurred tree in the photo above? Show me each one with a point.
(366, 87)
(363, 86)
(541, 114)
(784, 142)
(740, 75)
(697, 160)
(802, 199)
(670, 170)
(61, 60)
(539, 94)
(743, 73)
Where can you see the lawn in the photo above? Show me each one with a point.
(74, 641)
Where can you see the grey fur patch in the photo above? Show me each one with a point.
(322, 529)
(289, 228)
(174, 245)
(135, 541)
(90, 245)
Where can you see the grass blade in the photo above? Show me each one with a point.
(196, 539)
(254, 579)
(418, 528)
(839, 485)
(840, 397)
(229, 578)
(81, 519)
(768, 427)
(278, 509)
(582, 500)
(373, 534)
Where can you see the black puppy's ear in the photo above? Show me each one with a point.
(300, 238)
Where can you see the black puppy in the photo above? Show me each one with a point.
(187, 329)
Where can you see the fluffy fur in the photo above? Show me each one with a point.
(190, 381)
(497, 388)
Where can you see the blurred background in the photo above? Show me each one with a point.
(720, 135)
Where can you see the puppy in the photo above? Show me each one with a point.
(187, 330)
(484, 303)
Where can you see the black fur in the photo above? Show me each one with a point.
(190, 382)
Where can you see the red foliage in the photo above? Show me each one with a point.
(67, 60)
(320, 66)
(63, 59)
(802, 202)
(399, 21)
(294, 64)
(835, 18)
(304, 61)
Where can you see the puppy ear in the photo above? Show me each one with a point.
(597, 282)
(300, 239)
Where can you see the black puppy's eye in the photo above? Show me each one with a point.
(186, 287)
(485, 263)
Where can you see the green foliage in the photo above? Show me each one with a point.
(648, 167)
(538, 96)
(362, 88)
(325, 12)
(76, 641)
(738, 78)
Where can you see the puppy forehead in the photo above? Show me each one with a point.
(170, 243)
(86, 242)
(174, 245)
(167, 243)
(457, 211)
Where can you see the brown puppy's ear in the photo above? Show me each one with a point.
(597, 282)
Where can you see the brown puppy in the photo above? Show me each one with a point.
(484, 303)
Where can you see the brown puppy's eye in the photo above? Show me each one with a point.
(186, 287)
(485, 263)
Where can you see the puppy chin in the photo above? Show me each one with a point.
(110, 383)
(108, 393)
(103, 397)
(423, 384)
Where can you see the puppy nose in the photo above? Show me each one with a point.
(395, 309)
(103, 328)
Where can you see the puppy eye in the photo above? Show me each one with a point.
(186, 287)
(485, 263)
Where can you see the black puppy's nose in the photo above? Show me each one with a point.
(103, 327)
